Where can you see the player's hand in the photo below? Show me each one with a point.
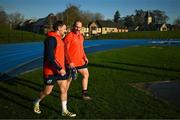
(71, 65)
(62, 72)
(86, 61)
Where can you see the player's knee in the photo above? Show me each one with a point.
(63, 90)
(47, 92)
(86, 75)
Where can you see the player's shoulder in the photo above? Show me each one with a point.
(68, 36)
(70, 33)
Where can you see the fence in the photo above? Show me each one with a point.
(19, 37)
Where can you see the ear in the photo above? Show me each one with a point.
(59, 27)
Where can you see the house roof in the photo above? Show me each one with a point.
(40, 22)
(28, 21)
(176, 26)
(160, 25)
(107, 23)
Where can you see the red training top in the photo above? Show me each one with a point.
(74, 50)
(58, 55)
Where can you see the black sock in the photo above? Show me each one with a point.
(84, 92)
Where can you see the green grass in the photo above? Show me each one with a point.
(142, 35)
(111, 73)
(17, 36)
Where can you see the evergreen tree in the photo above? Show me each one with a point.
(117, 16)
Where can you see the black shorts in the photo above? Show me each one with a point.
(51, 79)
(81, 67)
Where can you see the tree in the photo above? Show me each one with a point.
(117, 16)
(3, 17)
(98, 16)
(15, 19)
(159, 16)
(122, 22)
(72, 12)
(59, 16)
(137, 20)
(139, 17)
(177, 21)
(87, 17)
(129, 21)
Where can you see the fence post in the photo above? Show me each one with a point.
(8, 34)
(21, 35)
(34, 37)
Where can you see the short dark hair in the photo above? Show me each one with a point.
(74, 24)
(57, 24)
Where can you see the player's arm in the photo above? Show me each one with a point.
(51, 45)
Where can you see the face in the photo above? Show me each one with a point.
(62, 29)
(78, 26)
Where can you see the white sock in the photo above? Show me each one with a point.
(64, 106)
(37, 101)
